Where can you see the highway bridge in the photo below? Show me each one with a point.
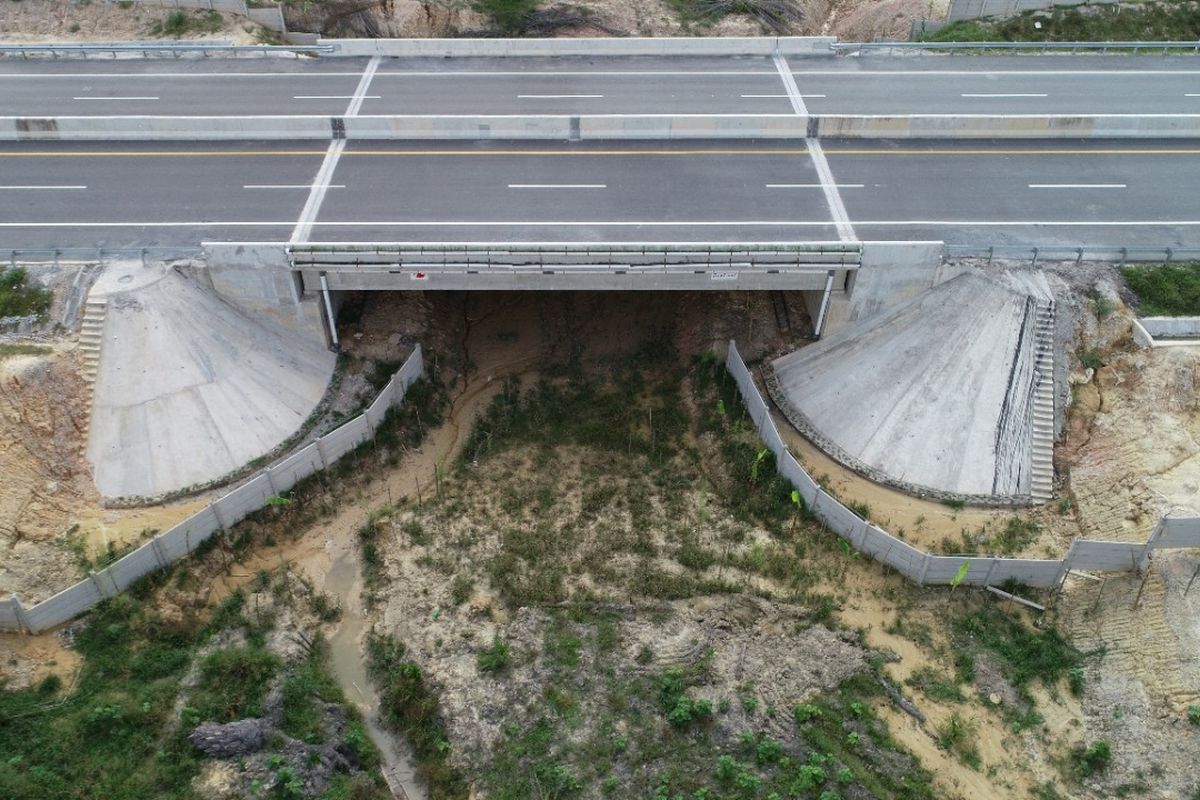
(110, 191)
(653, 164)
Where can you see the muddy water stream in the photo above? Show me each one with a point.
(337, 568)
(346, 654)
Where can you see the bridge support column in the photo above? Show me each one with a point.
(330, 319)
(820, 321)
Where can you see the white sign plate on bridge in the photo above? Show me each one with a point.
(418, 276)
(724, 276)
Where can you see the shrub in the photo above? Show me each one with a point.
(1193, 714)
(805, 712)
(1094, 758)
(18, 298)
(495, 658)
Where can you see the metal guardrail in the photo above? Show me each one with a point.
(92, 255)
(174, 49)
(843, 48)
(580, 258)
(1122, 255)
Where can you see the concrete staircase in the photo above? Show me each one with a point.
(1042, 487)
(91, 335)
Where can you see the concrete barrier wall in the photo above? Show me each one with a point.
(926, 568)
(185, 537)
(623, 46)
(598, 127)
(694, 126)
(162, 128)
(1031, 126)
(458, 127)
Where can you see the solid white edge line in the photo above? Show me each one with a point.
(292, 186)
(558, 186)
(616, 224)
(1077, 186)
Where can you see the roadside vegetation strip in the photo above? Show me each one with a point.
(1172, 21)
(20, 298)
(1165, 290)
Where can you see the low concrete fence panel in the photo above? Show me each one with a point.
(926, 568)
(295, 468)
(243, 501)
(11, 618)
(337, 443)
(185, 537)
(1179, 532)
(67, 604)
(134, 565)
(1106, 556)
(1041, 573)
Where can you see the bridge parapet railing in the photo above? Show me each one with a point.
(576, 257)
(1015, 48)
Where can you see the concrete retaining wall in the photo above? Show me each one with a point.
(1020, 126)
(624, 46)
(974, 9)
(1166, 331)
(888, 273)
(235, 506)
(926, 568)
(1172, 327)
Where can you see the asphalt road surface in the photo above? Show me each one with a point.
(1092, 84)
(148, 194)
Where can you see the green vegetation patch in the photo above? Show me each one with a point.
(511, 17)
(408, 706)
(1165, 290)
(18, 298)
(1170, 21)
(9, 350)
(104, 739)
(180, 23)
(1023, 652)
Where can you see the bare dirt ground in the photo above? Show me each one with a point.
(851, 20)
(87, 21)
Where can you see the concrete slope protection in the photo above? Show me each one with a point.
(599, 84)
(189, 388)
(1046, 193)
(866, 393)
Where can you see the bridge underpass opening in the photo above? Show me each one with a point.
(812, 273)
